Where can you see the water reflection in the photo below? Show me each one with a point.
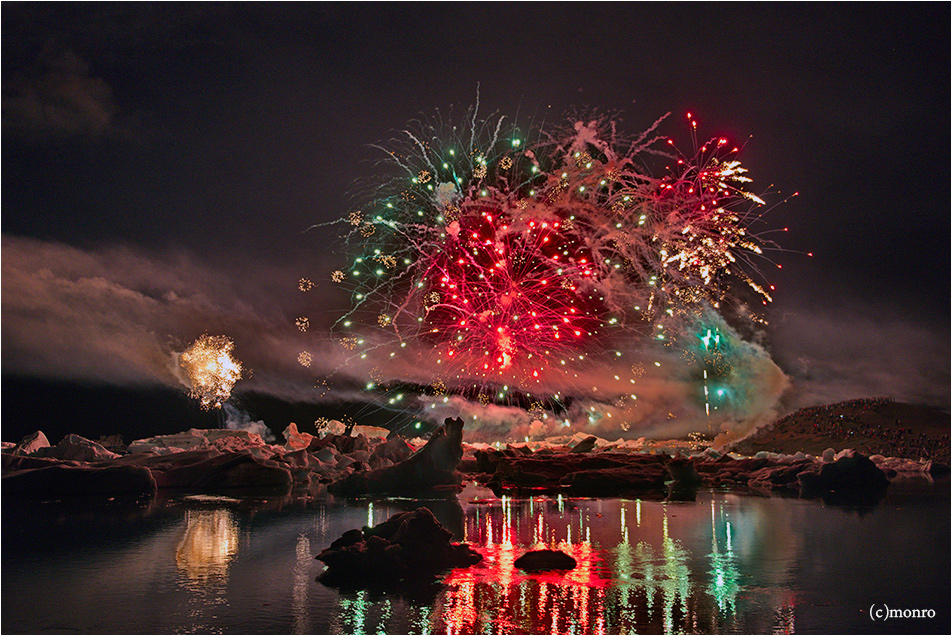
(208, 545)
(723, 563)
(301, 576)
(633, 573)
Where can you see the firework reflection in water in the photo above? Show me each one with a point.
(641, 566)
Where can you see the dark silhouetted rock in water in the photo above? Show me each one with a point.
(678, 491)
(682, 471)
(608, 482)
(213, 470)
(432, 466)
(850, 474)
(543, 560)
(62, 480)
(409, 546)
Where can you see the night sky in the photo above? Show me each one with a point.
(162, 163)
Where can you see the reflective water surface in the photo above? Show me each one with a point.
(721, 563)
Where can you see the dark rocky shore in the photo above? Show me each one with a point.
(373, 461)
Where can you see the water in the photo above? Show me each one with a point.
(725, 563)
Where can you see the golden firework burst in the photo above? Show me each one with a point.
(211, 369)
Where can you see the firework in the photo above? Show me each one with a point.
(513, 258)
(211, 369)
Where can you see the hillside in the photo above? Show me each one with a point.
(870, 426)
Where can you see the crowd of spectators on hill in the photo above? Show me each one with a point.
(851, 424)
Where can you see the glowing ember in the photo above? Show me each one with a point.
(211, 370)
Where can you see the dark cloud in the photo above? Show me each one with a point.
(58, 96)
(862, 351)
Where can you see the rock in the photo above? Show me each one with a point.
(583, 474)
(586, 445)
(432, 466)
(77, 448)
(394, 449)
(544, 560)
(189, 440)
(347, 539)
(248, 442)
(295, 440)
(710, 452)
(299, 463)
(850, 473)
(332, 427)
(114, 443)
(779, 476)
(343, 443)
(682, 470)
(487, 460)
(327, 455)
(371, 432)
(214, 470)
(829, 454)
(31, 443)
(246, 437)
(361, 456)
(61, 480)
(407, 547)
(607, 482)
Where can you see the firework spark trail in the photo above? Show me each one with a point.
(514, 259)
(211, 370)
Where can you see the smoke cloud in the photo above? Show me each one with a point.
(120, 316)
(856, 351)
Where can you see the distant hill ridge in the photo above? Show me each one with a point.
(872, 426)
